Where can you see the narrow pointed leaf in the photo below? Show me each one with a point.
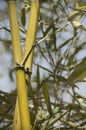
(23, 18)
(80, 71)
(47, 98)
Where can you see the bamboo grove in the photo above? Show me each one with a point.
(46, 41)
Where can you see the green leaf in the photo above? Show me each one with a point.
(11, 75)
(23, 18)
(38, 76)
(80, 71)
(47, 98)
(77, 13)
(55, 110)
(45, 69)
(62, 79)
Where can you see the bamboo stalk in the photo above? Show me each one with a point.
(31, 36)
(31, 32)
(30, 39)
(16, 120)
(20, 77)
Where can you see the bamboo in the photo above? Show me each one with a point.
(21, 85)
(31, 36)
(31, 32)
(16, 120)
(30, 39)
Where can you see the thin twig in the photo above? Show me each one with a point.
(40, 41)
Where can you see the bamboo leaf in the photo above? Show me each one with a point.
(77, 12)
(45, 69)
(71, 58)
(50, 26)
(54, 38)
(62, 79)
(38, 76)
(80, 71)
(78, 25)
(47, 98)
(11, 75)
(23, 17)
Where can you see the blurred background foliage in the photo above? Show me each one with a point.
(59, 65)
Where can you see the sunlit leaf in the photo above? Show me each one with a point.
(77, 12)
(78, 25)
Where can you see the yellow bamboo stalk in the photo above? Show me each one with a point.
(16, 120)
(31, 34)
(31, 31)
(20, 77)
